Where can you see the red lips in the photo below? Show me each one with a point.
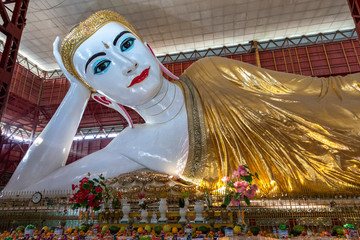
(140, 78)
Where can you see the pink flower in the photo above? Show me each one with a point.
(237, 202)
(250, 194)
(74, 186)
(240, 190)
(98, 189)
(236, 174)
(237, 184)
(225, 179)
(254, 187)
(242, 170)
(244, 184)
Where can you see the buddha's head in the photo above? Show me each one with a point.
(106, 54)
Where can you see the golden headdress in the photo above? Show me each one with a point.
(85, 30)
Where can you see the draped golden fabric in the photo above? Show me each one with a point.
(300, 134)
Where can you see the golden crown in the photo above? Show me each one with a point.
(85, 30)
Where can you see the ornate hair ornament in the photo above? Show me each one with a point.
(85, 30)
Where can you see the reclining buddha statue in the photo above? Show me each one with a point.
(300, 134)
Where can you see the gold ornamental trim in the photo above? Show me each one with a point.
(85, 30)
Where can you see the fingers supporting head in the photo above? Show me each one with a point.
(56, 50)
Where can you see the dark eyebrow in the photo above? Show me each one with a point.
(118, 36)
(92, 57)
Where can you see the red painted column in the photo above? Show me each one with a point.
(12, 28)
(354, 6)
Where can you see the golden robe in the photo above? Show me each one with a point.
(300, 134)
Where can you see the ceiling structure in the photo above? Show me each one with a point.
(173, 26)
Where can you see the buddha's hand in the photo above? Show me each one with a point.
(57, 55)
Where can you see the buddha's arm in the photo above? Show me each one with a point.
(51, 148)
(107, 161)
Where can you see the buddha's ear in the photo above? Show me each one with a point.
(164, 69)
(103, 100)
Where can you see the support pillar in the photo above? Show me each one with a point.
(12, 28)
(354, 6)
(257, 55)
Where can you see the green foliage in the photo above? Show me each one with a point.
(227, 200)
(222, 229)
(247, 200)
(145, 238)
(84, 227)
(184, 194)
(114, 229)
(158, 229)
(236, 197)
(30, 226)
(254, 229)
(298, 230)
(115, 203)
(203, 229)
(247, 178)
(20, 228)
(339, 230)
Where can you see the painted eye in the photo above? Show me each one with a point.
(101, 66)
(127, 44)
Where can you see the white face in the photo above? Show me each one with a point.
(117, 64)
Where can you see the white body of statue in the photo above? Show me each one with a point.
(120, 67)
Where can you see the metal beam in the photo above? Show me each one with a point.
(12, 30)
(354, 6)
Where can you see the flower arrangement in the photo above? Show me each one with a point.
(142, 202)
(240, 187)
(207, 197)
(90, 193)
(116, 198)
(182, 199)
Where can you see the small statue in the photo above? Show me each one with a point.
(154, 218)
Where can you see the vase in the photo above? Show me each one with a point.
(182, 213)
(144, 216)
(186, 201)
(211, 215)
(126, 210)
(107, 215)
(224, 216)
(199, 208)
(117, 216)
(162, 210)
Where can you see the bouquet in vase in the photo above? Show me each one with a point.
(239, 187)
(90, 193)
(142, 203)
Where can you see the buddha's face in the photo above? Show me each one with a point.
(117, 64)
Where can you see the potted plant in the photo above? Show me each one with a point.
(143, 207)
